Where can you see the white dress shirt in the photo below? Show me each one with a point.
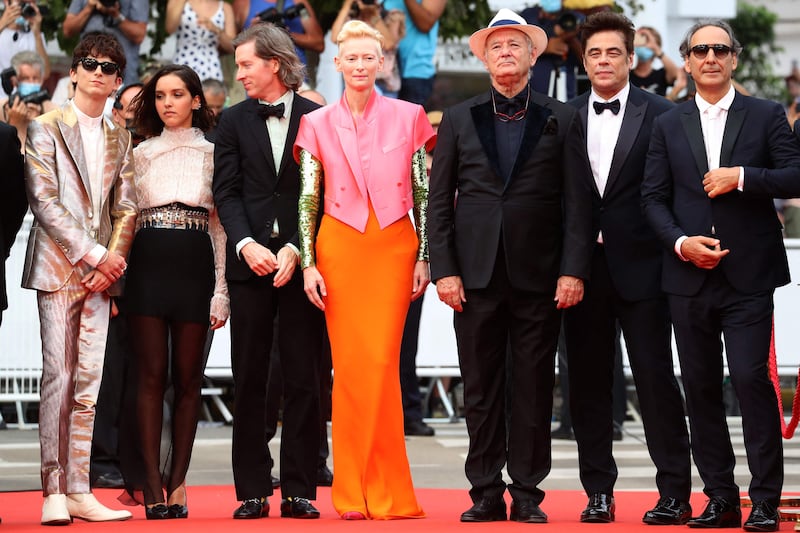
(94, 145)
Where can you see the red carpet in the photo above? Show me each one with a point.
(210, 509)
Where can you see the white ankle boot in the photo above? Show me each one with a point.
(86, 507)
(54, 511)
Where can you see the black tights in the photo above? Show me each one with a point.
(152, 337)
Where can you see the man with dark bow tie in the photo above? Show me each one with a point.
(714, 165)
(606, 149)
(508, 249)
(79, 180)
(256, 189)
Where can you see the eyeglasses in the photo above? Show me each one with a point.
(107, 67)
(519, 115)
(721, 51)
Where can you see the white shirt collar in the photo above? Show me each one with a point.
(286, 99)
(724, 103)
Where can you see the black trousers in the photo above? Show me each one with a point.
(744, 321)
(254, 306)
(591, 333)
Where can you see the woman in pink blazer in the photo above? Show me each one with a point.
(362, 265)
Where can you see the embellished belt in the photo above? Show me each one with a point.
(173, 216)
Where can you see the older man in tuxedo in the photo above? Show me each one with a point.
(607, 149)
(256, 189)
(714, 165)
(509, 248)
(79, 180)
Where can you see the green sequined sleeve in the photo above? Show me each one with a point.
(419, 188)
(308, 206)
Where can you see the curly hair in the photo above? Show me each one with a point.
(146, 120)
(99, 44)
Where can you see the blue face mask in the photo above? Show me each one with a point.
(550, 6)
(26, 88)
(644, 53)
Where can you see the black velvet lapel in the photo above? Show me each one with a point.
(483, 118)
(261, 135)
(535, 121)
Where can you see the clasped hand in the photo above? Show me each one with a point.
(703, 252)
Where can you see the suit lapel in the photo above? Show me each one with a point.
(483, 118)
(690, 119)
(348, 140)
(112, 155)
(535, 122)
(733, 125)
(294, 125)
(258, 127)
(583, 116)
(71, 133)
(635, 110)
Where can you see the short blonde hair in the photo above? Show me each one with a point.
(356, 29)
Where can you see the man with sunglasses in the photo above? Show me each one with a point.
(714, 165)
(79, 180)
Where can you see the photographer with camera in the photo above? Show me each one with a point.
(561, 59)
(28, 100)
(20, 30)
(296, 16)
(125, 19)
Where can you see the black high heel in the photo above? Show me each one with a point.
(157, 512)
(177, 510)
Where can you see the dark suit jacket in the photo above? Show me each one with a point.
(13, 202)
(757, 137)
(632, 250)
(247, 192)
(540, 217)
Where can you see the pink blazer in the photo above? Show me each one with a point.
(371, 164)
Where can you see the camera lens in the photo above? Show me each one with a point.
(28, 11)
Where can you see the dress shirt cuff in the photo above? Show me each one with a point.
(293, 248)
(241, 244)
(96, 255)
(678, 247)
(741, 179)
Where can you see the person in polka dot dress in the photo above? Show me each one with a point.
(205, 29)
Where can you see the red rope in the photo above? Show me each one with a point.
(788, 431)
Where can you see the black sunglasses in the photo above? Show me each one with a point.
(721, 51)
(107, 67)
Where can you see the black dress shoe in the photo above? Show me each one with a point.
(668, 512)
(418, 428)
(252, 508)
(527, 511)
(177, 510)
(108, 480)
(719, 512)
(276, 481)
(298, 508)
(763, 517)
(485, 510)
(324, 476)
(157, 512)
(600, 509)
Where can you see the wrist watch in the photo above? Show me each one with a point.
(120, 19)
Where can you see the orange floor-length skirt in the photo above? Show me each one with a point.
(368, 277)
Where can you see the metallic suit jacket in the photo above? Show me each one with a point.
(59, 193)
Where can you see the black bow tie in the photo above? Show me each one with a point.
(510, 106)
(599, 107)
(265, 111)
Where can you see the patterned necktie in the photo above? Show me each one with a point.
(265, 111)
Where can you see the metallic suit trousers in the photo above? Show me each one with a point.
(74, 326)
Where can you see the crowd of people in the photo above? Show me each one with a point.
(315, 229)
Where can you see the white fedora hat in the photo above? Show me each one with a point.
(507, 19)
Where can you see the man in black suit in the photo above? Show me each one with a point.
(14, 202)
(607, 150)
(256, 188)
(509, 248)
(714, 165)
